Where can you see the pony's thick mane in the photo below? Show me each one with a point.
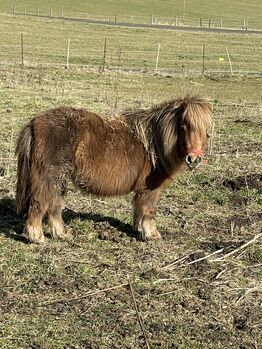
(158, 127)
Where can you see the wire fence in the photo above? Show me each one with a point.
(158, 59)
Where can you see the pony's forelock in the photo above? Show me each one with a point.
(197, 113)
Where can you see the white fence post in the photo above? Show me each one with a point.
(157, 57)
(68, 53)
(230, 63)
(22, 49)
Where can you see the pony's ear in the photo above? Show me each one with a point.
(181, 108)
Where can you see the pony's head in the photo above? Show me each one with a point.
(193, 130)
(175, 131)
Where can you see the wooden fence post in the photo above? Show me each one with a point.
(119, 57)
(62, 13)
(103, 63)
(221, 23)
(157, 57)
(14, 8)
(22, 50)
(25, 10)
(200, 22)
(68, 53)
(37, 11)
(51, 13)
(203, 59)
(115, 17)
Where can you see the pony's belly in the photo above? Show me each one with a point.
(108, 181)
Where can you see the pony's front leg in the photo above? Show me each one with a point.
(144, 214)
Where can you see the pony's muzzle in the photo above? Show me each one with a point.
(193, 161)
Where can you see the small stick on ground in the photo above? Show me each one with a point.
(202, 258)
(250, 290)
(192, 262)
(220, 273)
(182, 259)
(138, 315)
(238, 249)
(85, 295)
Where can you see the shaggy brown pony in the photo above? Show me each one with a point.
(138, 151)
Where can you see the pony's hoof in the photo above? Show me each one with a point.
(34, 236)
(39, 241)
(59, 232)
(66, 236)
(155, 235)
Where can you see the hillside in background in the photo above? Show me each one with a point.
(234, 12)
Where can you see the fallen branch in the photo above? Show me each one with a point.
(256, 325)
(86, 295)
(138, 315)
(238, 249)
(176, 262)
(163, 280)
(192, 262)
(165, 293)
(250, 290)
(203, 258)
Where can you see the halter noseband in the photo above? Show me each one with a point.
(195, 151)
(198, 152)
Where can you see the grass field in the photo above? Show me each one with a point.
(55, 296)
(135, 49)
(232, 12)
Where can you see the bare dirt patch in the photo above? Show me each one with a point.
(252, 181)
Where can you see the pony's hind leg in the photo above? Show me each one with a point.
(33, 228)
(144, 214)
(55, 219)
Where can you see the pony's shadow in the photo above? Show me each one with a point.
(69, 216)
(11, 225)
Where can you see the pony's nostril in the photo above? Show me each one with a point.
(189, 159)
(199, 159)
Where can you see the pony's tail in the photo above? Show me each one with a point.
(23, 186)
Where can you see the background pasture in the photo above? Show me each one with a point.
(127, 49)
(52, 296)
(232, 12)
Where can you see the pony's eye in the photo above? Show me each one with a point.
(183, 127)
